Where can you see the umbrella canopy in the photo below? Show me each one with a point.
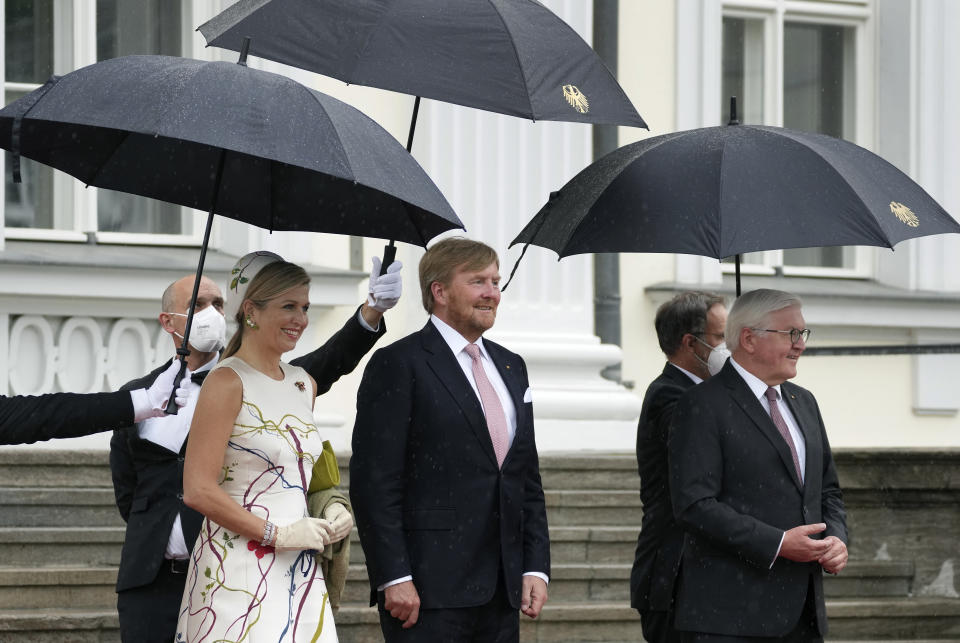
(290, 158)
(247, 144)
(723, 191)
(513, 57)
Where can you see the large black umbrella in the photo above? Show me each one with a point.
(513, 57)
(723, 191)
(247, 144)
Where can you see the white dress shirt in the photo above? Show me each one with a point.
(759, 388)
(457, 343)
(170, 431)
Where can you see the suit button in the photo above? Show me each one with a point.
(180, 459)
(180, 497)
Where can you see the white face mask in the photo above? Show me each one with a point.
(717, 357)
(209, 331)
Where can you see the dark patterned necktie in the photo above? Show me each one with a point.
(781, 425)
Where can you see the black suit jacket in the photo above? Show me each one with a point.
(25, 419)
(660, 542)
(148, 478)
(426, 491)
(735, 491)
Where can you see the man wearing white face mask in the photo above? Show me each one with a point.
(147, 458)
(690, 330)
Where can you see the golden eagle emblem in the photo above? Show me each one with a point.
(576, 98)
(905, 214)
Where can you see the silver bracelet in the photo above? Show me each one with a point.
(269, 533)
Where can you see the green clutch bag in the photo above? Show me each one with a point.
(326, 473)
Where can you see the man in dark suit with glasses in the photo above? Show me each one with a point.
(754, 486)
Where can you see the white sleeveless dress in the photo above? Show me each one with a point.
(237, 590)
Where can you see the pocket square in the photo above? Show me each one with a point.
(528, 395)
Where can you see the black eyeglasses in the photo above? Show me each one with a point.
(795, 333)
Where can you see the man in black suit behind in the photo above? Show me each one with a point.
(690, 331)
(754, 485)
(444, 478)
(146, 458)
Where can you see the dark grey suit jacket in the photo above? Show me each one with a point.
(660, 542)
(428, 496)
(735, 491)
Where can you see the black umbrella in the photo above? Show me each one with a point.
(513, 57)
(247, 144)
(722, 191)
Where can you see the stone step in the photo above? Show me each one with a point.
(576, 508)
(59, 625)
(51, 468)
(55, 506)
(868, 579)
(51, 587)
(39, 546)
(894, 618)
(595, 471)
(910, 619)
(593, 544)
(587, 583)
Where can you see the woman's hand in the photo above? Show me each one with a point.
(306, 533)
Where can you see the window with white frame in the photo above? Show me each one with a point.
(44, 37)
(800, 65)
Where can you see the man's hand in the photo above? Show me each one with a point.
(340, 520)
(799, 547)
(150, 402)
(533, 595)
(836, 557)
(403, 603)
(384, 290)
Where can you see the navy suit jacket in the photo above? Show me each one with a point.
(660, 543)
(427, 494)
(735, 491)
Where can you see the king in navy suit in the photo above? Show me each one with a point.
(444, 478)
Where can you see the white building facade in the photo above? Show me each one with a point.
(82, 270)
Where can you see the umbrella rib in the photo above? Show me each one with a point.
(526, 87)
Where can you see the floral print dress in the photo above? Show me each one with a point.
(236, 589)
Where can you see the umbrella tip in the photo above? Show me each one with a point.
(733, 111)
(243, 51)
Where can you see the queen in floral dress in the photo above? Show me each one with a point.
(253, 575)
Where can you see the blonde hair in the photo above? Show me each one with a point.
(444, 258)
(269, 283)
(753, 309)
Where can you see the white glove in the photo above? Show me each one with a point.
(340, 520)
(384, 290)
(306, 533)
(150, 402)
(182, 394)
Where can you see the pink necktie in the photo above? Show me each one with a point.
(492, 409)
(782, 428)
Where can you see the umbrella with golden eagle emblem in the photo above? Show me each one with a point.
(723, 191)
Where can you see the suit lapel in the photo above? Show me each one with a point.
(445, 366)
(809, 426)
(747, 401)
